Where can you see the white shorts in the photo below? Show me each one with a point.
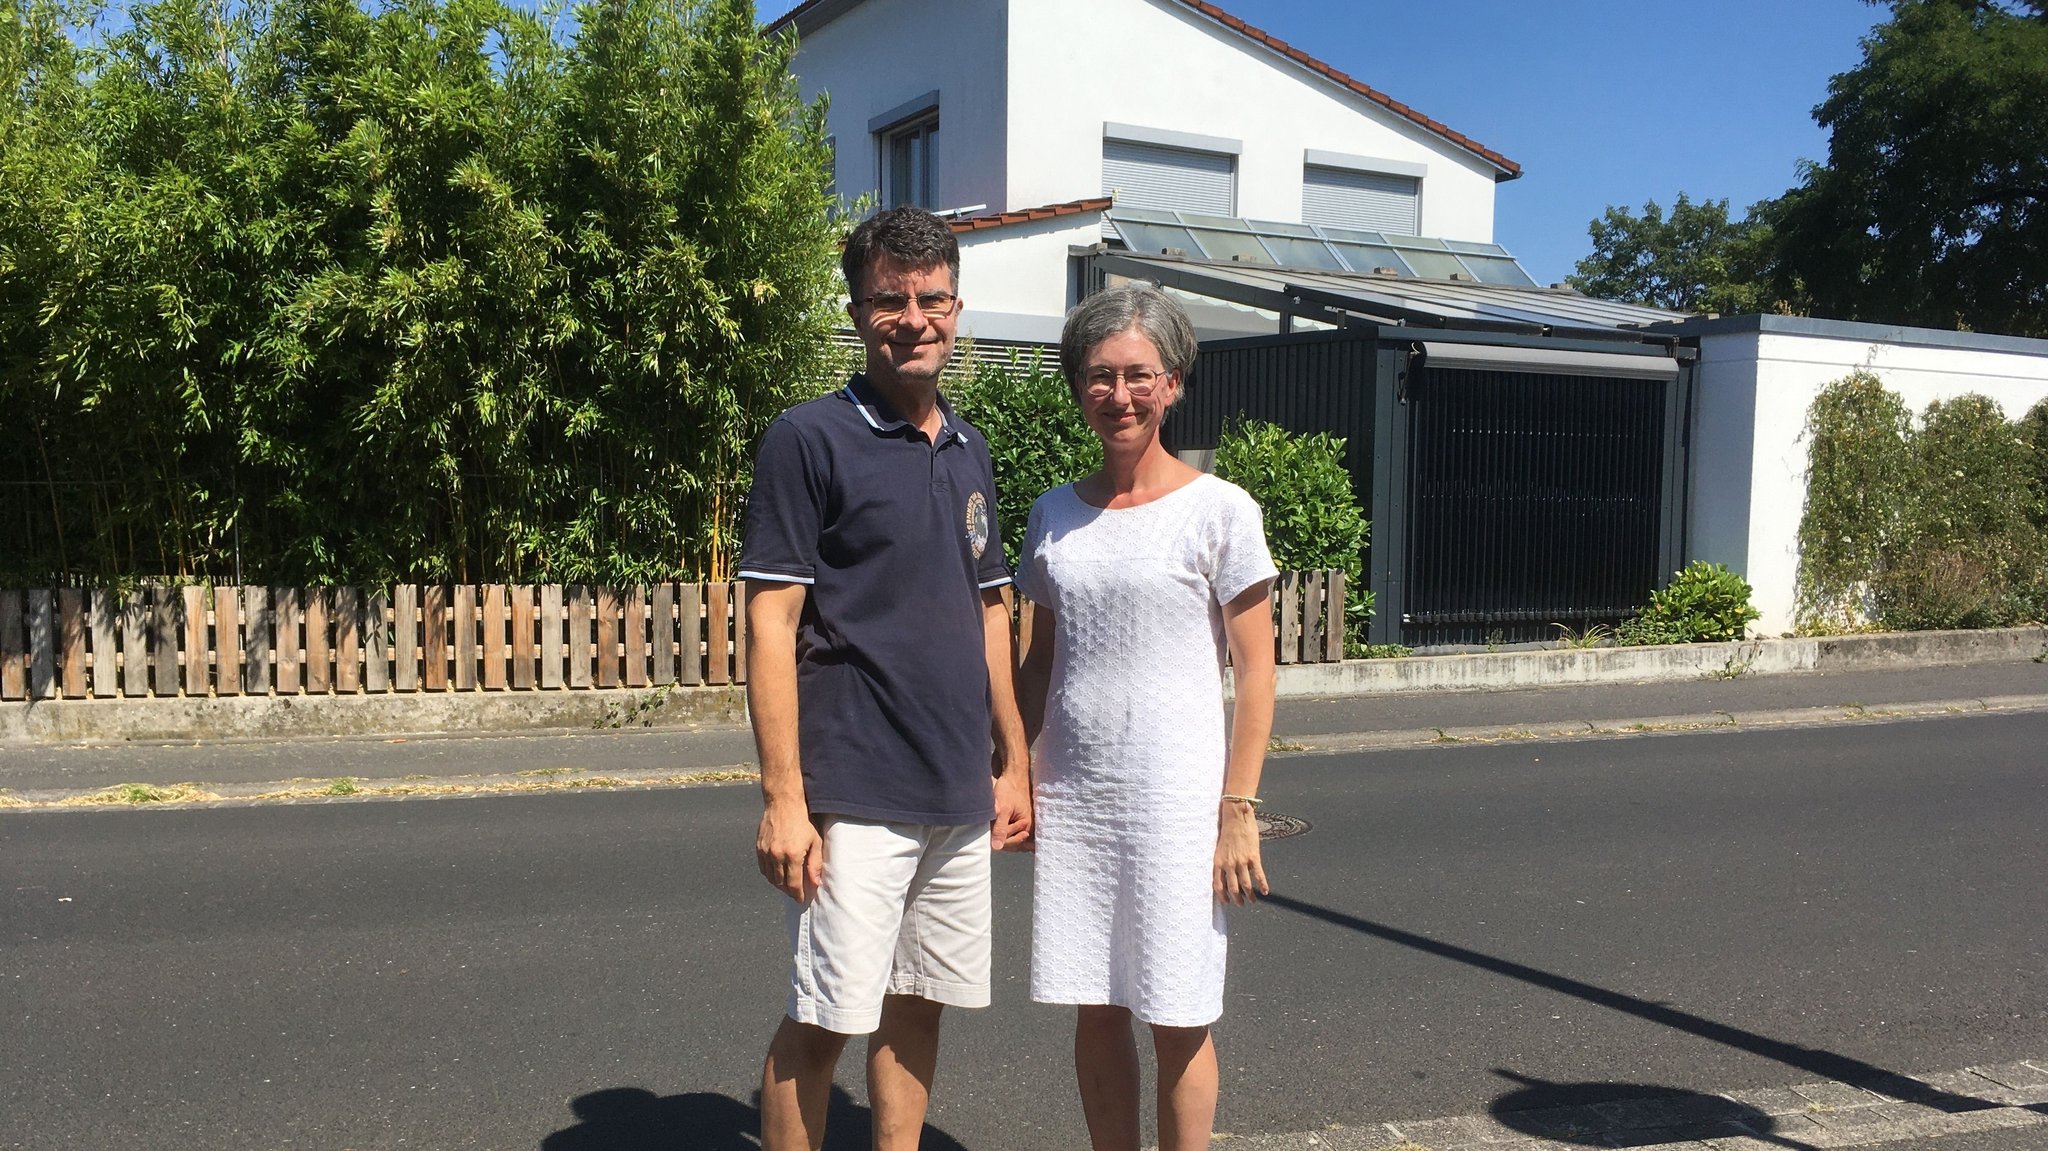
(904, 910)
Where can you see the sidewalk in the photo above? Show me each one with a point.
(307, 768)
(1971, 1109)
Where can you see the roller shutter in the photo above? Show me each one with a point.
(1151, 176)
(1374, 201)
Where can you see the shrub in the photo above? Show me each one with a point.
(1036, 436)
(1704, 603)
(1932, 588)
(1859, 484)
(1974, 553)
(1942, 525)
(1313, 520)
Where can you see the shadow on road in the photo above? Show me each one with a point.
(1826, 1064)
(636, 1119)
(1630, 1114)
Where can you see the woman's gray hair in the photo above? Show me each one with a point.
(1154, 315)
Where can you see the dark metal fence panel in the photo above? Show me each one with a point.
(1306, 382)
(1533, 500)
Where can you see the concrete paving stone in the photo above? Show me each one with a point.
(2018, 1076)
(1557, 1122)
(1747, 1143)
(1961, 1086)
(1772, 1100)
(1795, 1130)
(1851, 1118)
(1677, 1111)
(1373, 1138)
(1926, 1123)
(1837, 1095)
(1459, 1131)
(1686, 1135)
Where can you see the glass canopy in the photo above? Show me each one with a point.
(1227, 240)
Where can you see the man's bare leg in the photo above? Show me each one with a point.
(796, 1086)
(903, 1055)
(1106, 1069)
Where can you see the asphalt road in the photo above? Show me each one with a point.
(1464, 928)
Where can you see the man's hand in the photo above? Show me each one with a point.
(1011, 830)
(789, 851)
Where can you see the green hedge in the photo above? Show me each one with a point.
(313, 292)
(1939, 523)
(1313, 520)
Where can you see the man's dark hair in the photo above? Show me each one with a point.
(906, 235)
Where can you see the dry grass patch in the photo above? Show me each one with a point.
(140, 793)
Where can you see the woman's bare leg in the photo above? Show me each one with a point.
(1106, 1066)
(1187, 1087)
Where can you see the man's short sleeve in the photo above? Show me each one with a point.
(992, 567)
(784, 515)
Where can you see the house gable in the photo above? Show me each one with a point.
(1272, 93)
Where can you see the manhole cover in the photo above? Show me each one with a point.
(1273, 825)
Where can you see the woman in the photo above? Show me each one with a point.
(1139, 575)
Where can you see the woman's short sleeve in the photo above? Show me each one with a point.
(1238, 556)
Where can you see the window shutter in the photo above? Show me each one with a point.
(1373, 201)
(1151, 176)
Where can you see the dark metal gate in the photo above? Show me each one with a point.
(1536, 482)
(1533, 501)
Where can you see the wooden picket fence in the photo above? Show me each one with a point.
(78, 643)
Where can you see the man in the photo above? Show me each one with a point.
(879, 668)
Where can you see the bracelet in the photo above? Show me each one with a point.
(1251, 800)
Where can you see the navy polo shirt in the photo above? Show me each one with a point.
(896, 536)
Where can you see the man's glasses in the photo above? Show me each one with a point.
(892, 305)
(1139, 382)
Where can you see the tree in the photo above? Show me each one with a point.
(330, 291)
(1932, 208)
(1696, 260)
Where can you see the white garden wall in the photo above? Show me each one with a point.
(1758, 374)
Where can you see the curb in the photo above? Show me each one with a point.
(1654, 725)
(1562, 667)
(419, 713)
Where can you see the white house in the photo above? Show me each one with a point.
(997, 113)
(1274, 193)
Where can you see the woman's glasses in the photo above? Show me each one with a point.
(1139, 382)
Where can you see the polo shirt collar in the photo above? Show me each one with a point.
(872, 409)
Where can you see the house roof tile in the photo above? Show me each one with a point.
(1508, 168)
(1026, 215)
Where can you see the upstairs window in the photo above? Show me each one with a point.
(1360, 192)
(910, 155)
(907, 146)
(1151, 168)
(1142, 175)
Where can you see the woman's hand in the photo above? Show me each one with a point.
(1239, 876)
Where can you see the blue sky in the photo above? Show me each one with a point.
(1600, 101)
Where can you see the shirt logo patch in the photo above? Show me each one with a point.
(977, 523)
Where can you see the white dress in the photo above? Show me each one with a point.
(1129, 765)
